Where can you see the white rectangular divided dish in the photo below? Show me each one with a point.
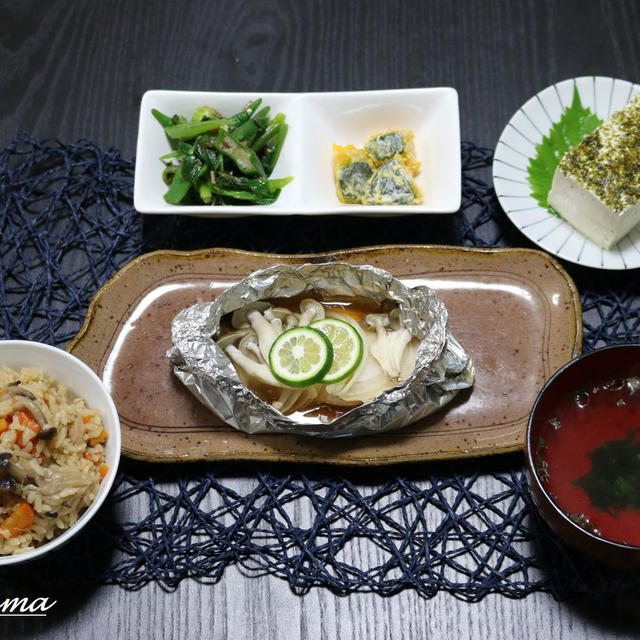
(316, 121)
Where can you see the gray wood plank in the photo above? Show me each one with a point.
(250, 608)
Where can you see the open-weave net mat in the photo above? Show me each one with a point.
(468, 528)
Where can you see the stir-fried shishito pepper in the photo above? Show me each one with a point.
(218, 160)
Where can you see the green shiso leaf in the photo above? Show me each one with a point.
(576, 123)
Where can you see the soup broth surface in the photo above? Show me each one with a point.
(588, 456)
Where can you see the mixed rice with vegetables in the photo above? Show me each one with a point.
(51, 459)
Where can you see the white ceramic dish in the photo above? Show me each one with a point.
(316, 121)
(82, 381)
(516, 147)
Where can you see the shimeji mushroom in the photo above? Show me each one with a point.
(310, 311)
(389, 347)
(239, 316)
(282, 319)
(255, 370)
(265, 331)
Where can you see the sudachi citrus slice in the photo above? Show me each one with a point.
(347, 348)
(300, 356)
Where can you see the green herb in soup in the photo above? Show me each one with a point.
(221, 161)
(613, 482)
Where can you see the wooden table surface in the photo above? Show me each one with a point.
(74, 70)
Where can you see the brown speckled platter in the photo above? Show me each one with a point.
(516, 311)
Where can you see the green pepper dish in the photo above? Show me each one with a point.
(223, 161)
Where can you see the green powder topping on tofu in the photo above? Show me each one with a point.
(607, 162)
(391, 184)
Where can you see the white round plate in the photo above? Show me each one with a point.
(517, 145)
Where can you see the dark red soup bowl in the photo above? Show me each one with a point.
(583, 454)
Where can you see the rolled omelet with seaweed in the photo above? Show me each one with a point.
(382, 173)
(382, 147)
(352, 170)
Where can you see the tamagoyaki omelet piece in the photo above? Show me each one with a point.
(392, 183)
(381, 147)
(352, 170)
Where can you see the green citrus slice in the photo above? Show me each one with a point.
(347, 348)
(300, 356)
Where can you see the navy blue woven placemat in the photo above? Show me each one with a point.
(466, 527)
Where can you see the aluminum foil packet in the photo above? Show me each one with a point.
(442, 366)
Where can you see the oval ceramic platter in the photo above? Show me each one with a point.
(517, 146)
(516, 311)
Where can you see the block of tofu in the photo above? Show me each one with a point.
(596, 186)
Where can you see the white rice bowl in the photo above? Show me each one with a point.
(84, 389)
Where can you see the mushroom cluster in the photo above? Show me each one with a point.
(389, 354)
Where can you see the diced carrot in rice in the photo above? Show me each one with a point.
(27, 420)
(94, 456)
(19, 520)
(98, 439)
(31, 428)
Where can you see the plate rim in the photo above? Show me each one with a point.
(537, 209)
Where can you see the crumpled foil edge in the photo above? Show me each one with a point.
(442, 365)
